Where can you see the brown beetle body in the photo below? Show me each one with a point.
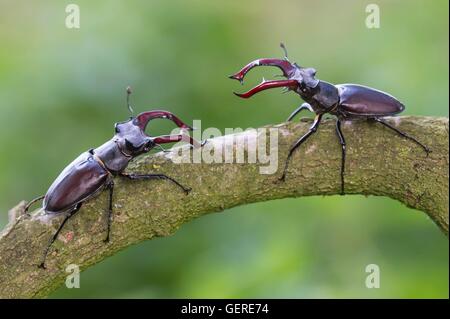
(362, 101)
(80, 180)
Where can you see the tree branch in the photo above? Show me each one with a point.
(379, 162)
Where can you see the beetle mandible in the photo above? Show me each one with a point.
(93, 171)
(344, 101)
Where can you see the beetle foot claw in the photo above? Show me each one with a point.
(106, 240)
(42, 265)
(187, 190)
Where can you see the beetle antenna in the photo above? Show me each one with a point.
(282, 46)
(162, 148)
(128, 99)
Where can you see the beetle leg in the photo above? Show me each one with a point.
(409, 137)
(156, 176)
(110, 186)
(304, 106)
(162, 148)
(32, 202)
(311, 131)
(72, 212)
(25, 213)
(342, 142)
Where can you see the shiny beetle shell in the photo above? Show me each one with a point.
(80, 180)
(359, 100)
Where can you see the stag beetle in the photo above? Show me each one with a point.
(94, 170)
(344, 101)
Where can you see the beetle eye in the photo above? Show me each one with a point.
(116, 128)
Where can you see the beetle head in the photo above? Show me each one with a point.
(132, 140)
(299, 79)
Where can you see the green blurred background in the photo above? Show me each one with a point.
(62, 89)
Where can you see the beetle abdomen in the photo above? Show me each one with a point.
(359, 100)
(79, 180)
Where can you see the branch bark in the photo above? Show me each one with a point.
(379, 162)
